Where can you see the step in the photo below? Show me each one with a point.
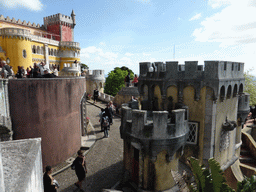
(247, 159)
(245, 152)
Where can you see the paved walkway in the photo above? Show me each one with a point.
(104, 159)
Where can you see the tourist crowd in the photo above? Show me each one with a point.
(37, 71)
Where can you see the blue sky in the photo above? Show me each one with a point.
(115, 33)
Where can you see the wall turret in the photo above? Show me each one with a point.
(73, 15)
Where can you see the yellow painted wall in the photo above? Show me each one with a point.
(157, 93)
(173, 92)
(14, 50)
(164, 178)
(226, 108)
(196, 112)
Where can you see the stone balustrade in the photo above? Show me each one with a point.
(70, 44)
(105, 97)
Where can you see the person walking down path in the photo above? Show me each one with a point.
(95, 95)
(79, 165)
(48, 180)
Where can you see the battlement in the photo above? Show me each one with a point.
(96, 75)
(24, 23)
(191, 70)
(152, 132)
(58, 19)
(139, 125)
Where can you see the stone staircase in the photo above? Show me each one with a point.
(246, 157)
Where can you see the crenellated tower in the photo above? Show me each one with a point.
(214, 94)
(61, 25)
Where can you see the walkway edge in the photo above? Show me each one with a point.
(92, 139)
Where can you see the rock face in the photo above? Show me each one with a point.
(21, 165)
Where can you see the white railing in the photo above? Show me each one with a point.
(44, 40)
(70, 44)
(105, 97)
(15, 31)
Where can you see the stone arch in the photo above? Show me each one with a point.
(157, 98)
(172, 91)
(241, 88)
(222, 93)
(188, 94)
(235, 90)
(229, 91)
(144, 91)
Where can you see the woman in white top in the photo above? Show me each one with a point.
(55, 71)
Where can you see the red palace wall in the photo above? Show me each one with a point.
(66, 33)
(54, 29)
(50, 109)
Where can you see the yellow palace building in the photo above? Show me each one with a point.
(23, 43)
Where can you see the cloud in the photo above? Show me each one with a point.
(34, 5)
(129, 54)
(234, 24)
(197, 16)
(146, 54)
(102, 43)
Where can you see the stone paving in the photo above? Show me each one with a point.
(104, 160)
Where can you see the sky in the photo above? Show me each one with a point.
(116, 33)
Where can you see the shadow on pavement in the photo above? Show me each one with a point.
(103, 179)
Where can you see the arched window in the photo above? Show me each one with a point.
(235, 90)
(229, 92)
(51, 51)
(34, 49)
(241, 88)
(38, 50)
(222, 93)
(55, 52)
(42, 50)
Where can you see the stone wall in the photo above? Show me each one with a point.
(21, 167)
(50, 109)
(5, 119)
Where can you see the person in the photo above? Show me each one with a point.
(101, 118)
(36, 71)
(135, 81)
(48, 180)
(95, 95)
(80, 168)
(127, 80)
(43, 68)
(109, 113)
(19, 73)
(6, 70)
(12, 71)
(24, 72)
(28, 72)
(55, 71)
(47, 74)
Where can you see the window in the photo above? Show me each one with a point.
(193, 133)
(24, 53)
(239, 66)
(225, 66)
(232, 66)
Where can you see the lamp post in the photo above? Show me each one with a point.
(8, 60)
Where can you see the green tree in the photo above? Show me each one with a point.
(115, 80)
(250, 84)
(247, 185)
(210, 180)
(84, 66)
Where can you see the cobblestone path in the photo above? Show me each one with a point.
(104, 161)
